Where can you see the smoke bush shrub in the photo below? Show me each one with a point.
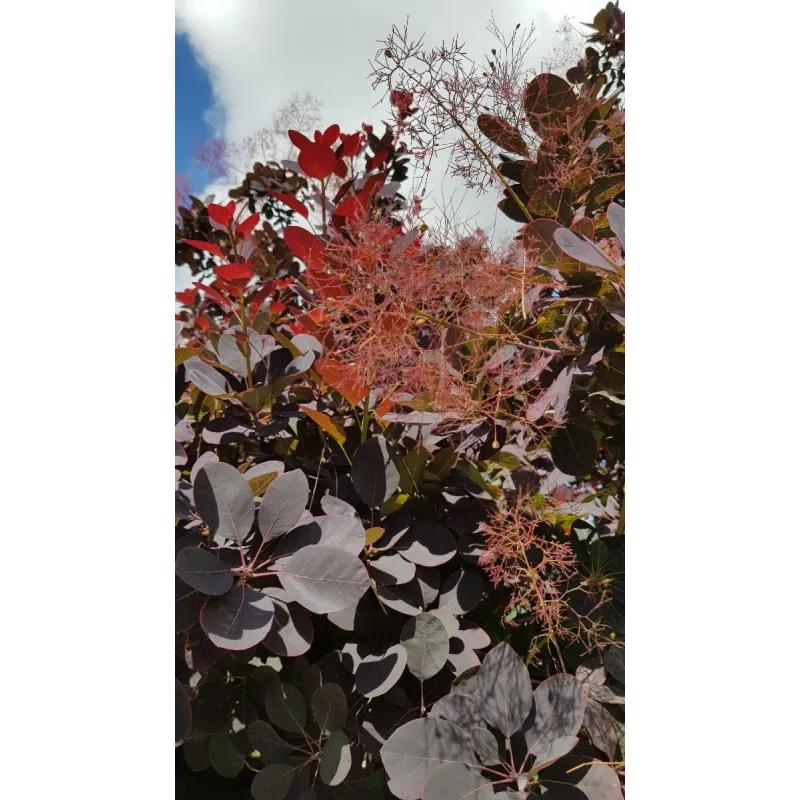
(400, 461)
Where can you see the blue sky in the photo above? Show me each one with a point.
(193, 97)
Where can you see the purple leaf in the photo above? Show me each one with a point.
(282, 504)
(558, 712)
(457, 782)
(374, 475)
(391, 570)
(428, 544)
(292, 632)
(461, 592)
(324, 579)
(412, 752)
(375, 674)
(224, 501)
(504, 690)
(426, 642)
(238, 620)
(203, 571)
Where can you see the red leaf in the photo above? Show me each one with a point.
(220, 298)
(203, 323)
(330, 136)
(374, 183)
(317, 161)
(187, 296)
(351, 144)
(299, 140)
(220, 214)
(341, 169)
(245, 228)
(305, 246)
(352, 206)
(257, 300)
(342, 378)
(207, 246)
(290, 201)
(277, 307)
(327, 286)
(375, 161)
(296, 328)
(313, 319)
(235, 273)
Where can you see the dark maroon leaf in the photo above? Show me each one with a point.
(614, 659)
(461, 592)
(203, 571)
(573, 449)
(335, 759)
(264, 738)
(226, 759)
(412, 752)
(425, 587)
(188, 603)
(399, 598)
(183, 714)
(195, 754)
(238, 620)
(428, 544)
(292, 631)
(224, 501)
(273, 782)
(472, 635)
(226, 431)
(329, 708)
(200, 652)
(504, 690)
(391, 570)
(375, 477)
(375, 674)
(324, 579)
(457, 782)
(286, 707)
(282, 504)
(426, 642)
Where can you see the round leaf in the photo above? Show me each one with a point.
(573, 449)
(457, 782)
(504, 691)
(329, 707)
(273, 782)
(335, 759)
(203, 571)
(414, 750)
(239, 619)
(461, 592)
(286, 707)
(292, 631)
(425, 640)
(264, 738)
(282, 504)
(224, 501)
(374, 475)
(376, 674)
(225, 758)
(391, 570)
(557, 712)
(324, 579)
(183, 714)
(428, 544)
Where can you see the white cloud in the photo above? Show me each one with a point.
(257, 53)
